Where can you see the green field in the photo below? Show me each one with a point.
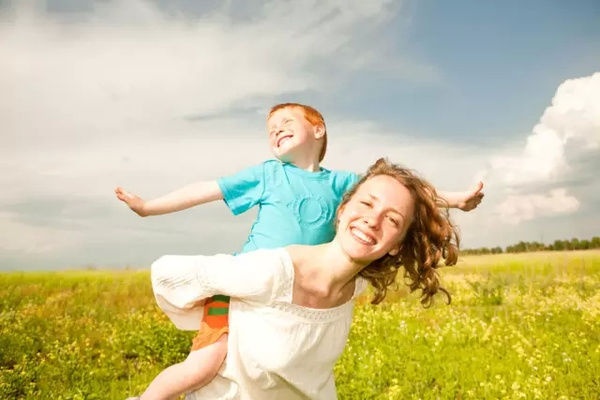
(520, 326)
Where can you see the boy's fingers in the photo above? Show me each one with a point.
(121, 192)
(123, 195)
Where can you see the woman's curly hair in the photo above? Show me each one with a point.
(430, 238)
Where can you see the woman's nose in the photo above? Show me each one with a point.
(372, 221)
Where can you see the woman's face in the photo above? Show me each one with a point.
(375, 219)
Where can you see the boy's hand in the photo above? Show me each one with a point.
(470, 199)
(134, 202)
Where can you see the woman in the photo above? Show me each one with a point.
(291, 308)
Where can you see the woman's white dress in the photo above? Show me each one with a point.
(276, 349)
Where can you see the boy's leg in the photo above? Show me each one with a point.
(199, 368)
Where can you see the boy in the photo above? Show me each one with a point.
(297, 201)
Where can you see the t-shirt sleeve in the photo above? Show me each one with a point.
(243, 190)
(181, 283)
(344, 181)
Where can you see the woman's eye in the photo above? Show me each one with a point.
(393, 221)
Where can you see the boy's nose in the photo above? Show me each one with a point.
(275, 132)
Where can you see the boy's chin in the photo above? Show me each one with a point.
(286, 158)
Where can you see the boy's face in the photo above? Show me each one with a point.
(291, 136)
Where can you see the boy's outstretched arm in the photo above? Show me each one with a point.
(465, 201)
(186, 197)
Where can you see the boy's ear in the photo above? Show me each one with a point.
(319, 131)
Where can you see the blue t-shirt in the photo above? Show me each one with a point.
(294, 206)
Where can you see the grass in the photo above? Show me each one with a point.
(520, 326)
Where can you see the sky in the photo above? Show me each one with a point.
(153, 95)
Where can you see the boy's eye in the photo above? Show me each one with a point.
(365, 203)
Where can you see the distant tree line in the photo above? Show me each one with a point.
(523, 247)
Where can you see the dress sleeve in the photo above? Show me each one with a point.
(181, 283)
(244, 189)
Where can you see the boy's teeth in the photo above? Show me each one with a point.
(282, 141)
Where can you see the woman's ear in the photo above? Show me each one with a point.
(338, 214)
(395, 250)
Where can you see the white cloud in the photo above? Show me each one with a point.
(569, 127)
(568, 131)
(130, 70)
(517, 208)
